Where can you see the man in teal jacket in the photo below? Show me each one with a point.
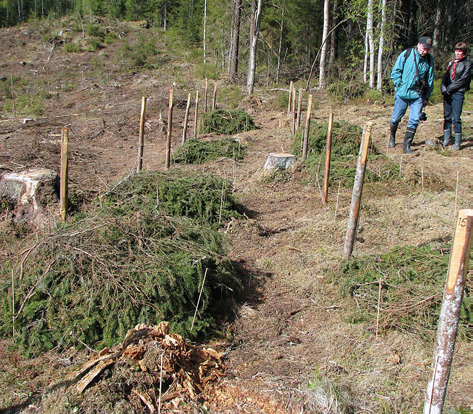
(413, 78)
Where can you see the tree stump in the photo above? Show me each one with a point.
(29, 194)
(280, 161)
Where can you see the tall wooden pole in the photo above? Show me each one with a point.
(450, 313)
(205, 95)
(196, 117)
(214, 98)
(141, 139)
(357, 190)
(186, 119)
(327, 158)
(307, 128)
(169, 132)
(294, 112)
(299, 109)
(64, 173)
(291, 87)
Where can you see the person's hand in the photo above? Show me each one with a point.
(443, 89)
(425, 101)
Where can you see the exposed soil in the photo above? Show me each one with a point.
(293, 349)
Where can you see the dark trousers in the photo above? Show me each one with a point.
(452, 110)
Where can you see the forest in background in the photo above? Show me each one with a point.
(338, 40)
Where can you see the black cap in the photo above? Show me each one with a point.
(426, 41)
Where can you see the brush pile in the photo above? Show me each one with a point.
(196, 151)
(222, 121)
(406, 283)
(140, 256)
(346, 139)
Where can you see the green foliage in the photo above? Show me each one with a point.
(230, 96)
(177, 194)
(142, 54)
(346, 90)
(72, 48)
(28, 97)
(94, 44)
(226, 122)
(206, 70)
(133, 259)
(94, 30)
(195, 151)
(346, 139)
(412, 287)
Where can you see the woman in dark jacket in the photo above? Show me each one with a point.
(455, 83)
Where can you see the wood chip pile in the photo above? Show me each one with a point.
(164, 370)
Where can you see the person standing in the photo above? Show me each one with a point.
(413, 78)
(455, 82)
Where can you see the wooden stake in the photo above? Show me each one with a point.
(299, 109)
(450, 313)
(196, 120)
(64, 173)
(291, 87)
(169, 131)
(294, 111)
(357, 191)
(205, 95)
(327, 157)
(141, 139)
(186, 118)
(307, 128)
(456, 195)
(214, 98)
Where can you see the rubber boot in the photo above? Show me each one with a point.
(408, 140)
(458, 141)
(447, 134)
(392, 136)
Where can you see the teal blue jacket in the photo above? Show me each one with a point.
(404, 74)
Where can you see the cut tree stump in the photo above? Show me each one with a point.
(29, 194)
(280, 161)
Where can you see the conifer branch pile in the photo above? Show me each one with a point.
(138, 257)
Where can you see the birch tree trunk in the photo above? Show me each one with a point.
(365, 61)
(324, 45)
(255, 19)
(369, 31)
(333, 34)
(165, 16)
(438, 19)
(205, 26)
(381, 45)
(281, 30)
(235, 39)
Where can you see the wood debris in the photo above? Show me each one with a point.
(189, 372)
